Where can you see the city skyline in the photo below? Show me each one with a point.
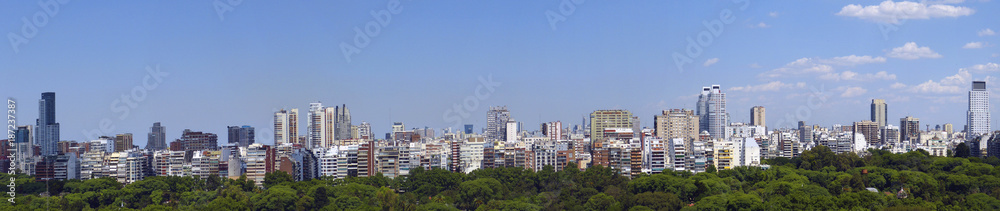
(220, 73)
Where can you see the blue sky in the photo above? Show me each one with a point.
(817, 61)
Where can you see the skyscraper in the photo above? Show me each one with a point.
(979, 109)
(286, 126)
(553, 130)
(496, 123)
(315, 127)
(123, 142)
(879, 113)
(869, 129)
(343, 123)
(909, 129)
(468, 129)
(712, 110)
(365, 131)
(805, 133)
(157, 139)
(603, 119)
(241, 136)
(702, 109)
(46, 127)
(194, 141)
(757, 116)
(677, 123)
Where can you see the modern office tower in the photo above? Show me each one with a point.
(315, 126)
(870, 130)
(123, 142)
(979, 109)
(286, 126)
(468, 129)
(677, 123)
(157, 139)
(879, 113)
(510, 131)
(604, 119)
(343, 123)
(553, 130)
(496, 123)
(241, 136)
(365, 131)
(909, 129)
(712, 110)
(46, 127)
(890, 134)
(197, 141)
(702, 109)
(757, 116)
(805, 133)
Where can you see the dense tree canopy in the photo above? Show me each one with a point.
(817, 180)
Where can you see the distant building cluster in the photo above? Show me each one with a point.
(331, 146)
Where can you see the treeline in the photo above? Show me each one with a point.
(817, 180)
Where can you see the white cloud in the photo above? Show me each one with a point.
(853, 91)
(973, 45)
(891, 12)
(954, 84)
(853, 60)
(853, 76)
(818, 65)
(755, 66)
(797, 67)
(911, 51)
(711, 61)
(986, 32)
(760, 25)
(768, 87)
(773, 14)
(984, 68)
(898, 85)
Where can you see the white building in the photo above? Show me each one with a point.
(751, 152)
(979, 109)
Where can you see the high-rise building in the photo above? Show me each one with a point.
(702, 109)
(869, 129)
(241, 136)
(123, 142)
(343, 123)
(677, 123)
(315, 126)
(511, 131)
(496, 123)
(712, 110)
(46, 127)
(196, 141)
(757, 116)
(805, 133)
(468, 129)
(979, 109)
(604, 119)
(909, 129)
(365, 131)
(157, 139)
(890, 134)
(879, 113)
(286, 126)
(553, 130)
(23, 142)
